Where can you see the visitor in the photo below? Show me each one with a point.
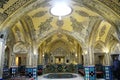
(116, 68)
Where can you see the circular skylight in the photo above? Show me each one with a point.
(61, 10)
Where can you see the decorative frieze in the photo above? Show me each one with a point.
(3, 17)
(2, 2)
(15, 6)
(112, 5)
(20, 47)
(39, 14)
(82, 13)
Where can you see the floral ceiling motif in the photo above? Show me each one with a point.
(77, 26)
(45, 26)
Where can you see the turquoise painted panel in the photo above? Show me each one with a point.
(108, 73)
(90, 73)
(31, 73)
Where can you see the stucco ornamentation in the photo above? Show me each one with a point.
(39, 14)
(20, 47)
(45, 26)
(77, 26)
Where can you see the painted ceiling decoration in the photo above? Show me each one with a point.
(39, 14)
(2, 2)
(91, 22)
(59, 52)
(20, 47)
(45, 26)
(77, 26)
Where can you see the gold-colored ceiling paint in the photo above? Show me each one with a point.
(67, 24)
(7, 5)
(103, 30)
(18, 32)
(91, 13)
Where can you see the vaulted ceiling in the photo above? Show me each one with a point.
(91, 23)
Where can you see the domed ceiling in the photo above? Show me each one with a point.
(93, 23)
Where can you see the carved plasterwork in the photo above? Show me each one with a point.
(45, 26)
(70, 39)
(62, 46)
(98, 47)
(59, 35)
(60, 23)
(20, 47)
(2, 17)
(17, 30)
(29, 29)
(15, 6)
(113, 4)
(102, 32)
(59, 52)
(3, 2)
(116, 49)
(48, 40)
(82, 13)
(39, 14)
(77, 26)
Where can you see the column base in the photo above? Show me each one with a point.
(31, 73)
(108, 73)
(90, 73)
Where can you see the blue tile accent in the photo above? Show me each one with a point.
(90, 73)
(40, 66)
(80, 66)
(1, 79)
(108, 73)
(40, 69)
(13, 71)
(31, 73)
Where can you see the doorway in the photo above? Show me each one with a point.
(59, 60)
(20, 60)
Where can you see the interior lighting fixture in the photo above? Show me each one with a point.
(60, 10)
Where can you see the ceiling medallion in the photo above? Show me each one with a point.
(60, 10)
(59, 23)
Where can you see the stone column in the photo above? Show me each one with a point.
(107, 68)
(40, 56)
(13, 67)
(90, 73)
(1, 57)
(79, 55)
(85, 58)
(31, 68)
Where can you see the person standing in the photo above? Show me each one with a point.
(116, 68)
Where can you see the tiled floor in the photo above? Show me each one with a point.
(24, 78)
(82, 78)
